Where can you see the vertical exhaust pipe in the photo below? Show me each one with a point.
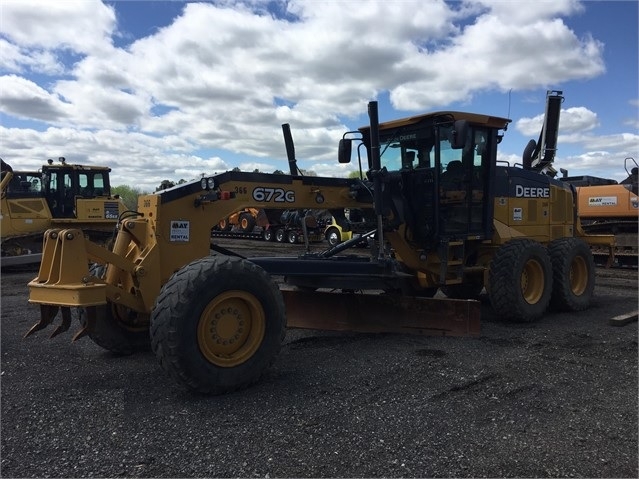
(376, 172)
(290, 149)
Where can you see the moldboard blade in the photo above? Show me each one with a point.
(377, 313)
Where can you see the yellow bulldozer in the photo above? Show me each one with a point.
(59, 195)
(443, 213)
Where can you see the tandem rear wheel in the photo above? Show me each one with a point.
(520, 280)
(573, 274)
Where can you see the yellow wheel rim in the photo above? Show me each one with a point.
(578, 276)
(532, 281)
(231, 328)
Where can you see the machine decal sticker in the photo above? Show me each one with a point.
(180, 230)
(277, 195)
(518, 214)
(602, 201)
(531, 192)
(111, 210)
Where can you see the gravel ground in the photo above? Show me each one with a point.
(557, 398)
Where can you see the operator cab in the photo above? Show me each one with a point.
(63, 183)
(438, 170)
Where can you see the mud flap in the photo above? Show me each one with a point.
(377, 313)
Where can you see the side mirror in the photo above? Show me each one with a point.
(344, 150)
(459, 134)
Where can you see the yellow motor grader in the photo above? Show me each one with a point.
(443, 214)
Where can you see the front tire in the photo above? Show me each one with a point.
(520, 279)
(117, 328)
(573, 274)
(280, 235)
(292, 237)
(247, 223)
(218, 324)
(115, 331)
(333, 237)
(268, 234)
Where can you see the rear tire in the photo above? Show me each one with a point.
(520, 279)
(218, 324)
(224, 225)
(573, 274)
(280, 234)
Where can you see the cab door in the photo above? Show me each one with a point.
(464, 184)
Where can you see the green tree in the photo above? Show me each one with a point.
(353, 174)
(278, 172)
(166, 184)
(128, 195)
(237, 168)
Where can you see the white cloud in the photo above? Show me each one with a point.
(575, 119)
(225, 76)
(599, 163)
(23, 98)
(83, 26)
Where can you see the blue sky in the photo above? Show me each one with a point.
(170, 90)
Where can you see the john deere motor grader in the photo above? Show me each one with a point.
(59, 195)
(444, 214)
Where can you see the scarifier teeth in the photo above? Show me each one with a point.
(66, 322)
(47, 315)
(88, 325)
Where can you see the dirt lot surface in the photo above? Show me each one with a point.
(556, 398)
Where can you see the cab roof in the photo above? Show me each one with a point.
(474, 118)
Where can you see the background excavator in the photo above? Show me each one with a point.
(59, 195)
(611, 207)
(442, 212)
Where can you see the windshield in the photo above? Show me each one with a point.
(404, 149)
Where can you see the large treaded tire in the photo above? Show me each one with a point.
(520, 279)
(208, 356)
(112, 333)
(573, 274)
(225, 225)
(246, 223)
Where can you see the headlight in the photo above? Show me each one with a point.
(211, 183)
(203, 183)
